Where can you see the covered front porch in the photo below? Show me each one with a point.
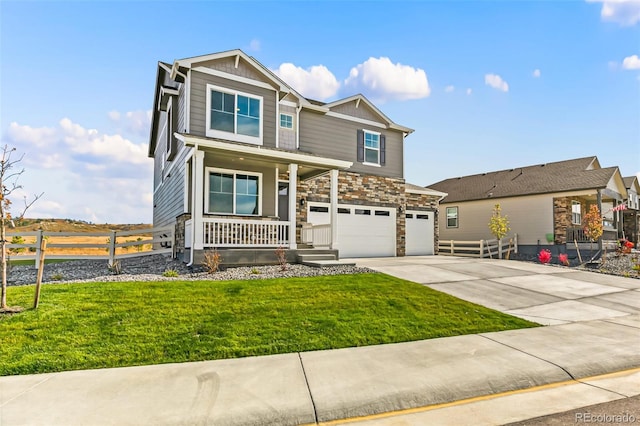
(243, 197)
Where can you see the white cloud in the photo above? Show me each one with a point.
(449, 89)
(623, 12)
(469, 91)
(84, 173)
(315, 82)
(495, 81)
(135, 122)
(383, 80)
(631, 63)
(536, 73)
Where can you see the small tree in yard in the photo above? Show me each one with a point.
(8, 185)
(498, 224)
(592, 225)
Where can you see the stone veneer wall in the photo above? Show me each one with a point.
(427, 203)
(355, 188)
(180, 222)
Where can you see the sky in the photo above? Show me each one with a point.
(487, 85)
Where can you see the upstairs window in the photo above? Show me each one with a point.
(371, 148)
(286, 121)
(234, 115)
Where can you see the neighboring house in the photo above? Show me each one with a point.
(631, 219)
(243, 161)
(544, 203)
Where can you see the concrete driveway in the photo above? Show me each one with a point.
(545, 294)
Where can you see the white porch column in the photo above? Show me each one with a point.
(333, 208)
(293, 204)
(197, 198)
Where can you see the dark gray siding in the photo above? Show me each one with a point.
(199, 83)
(181, 118)
(336, 138)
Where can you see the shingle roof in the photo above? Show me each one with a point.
(569, 175)
(628, 181)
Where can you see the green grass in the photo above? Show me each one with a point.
(96, 325)
(32, 262)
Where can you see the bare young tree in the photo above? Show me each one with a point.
(9, 175)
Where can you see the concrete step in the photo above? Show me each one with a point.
(316, 256)
(327, 263)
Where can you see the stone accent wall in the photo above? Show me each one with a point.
(355, 188)
(180, 243)
(561, 219)
(427, 203)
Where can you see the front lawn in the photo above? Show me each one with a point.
(97, 325)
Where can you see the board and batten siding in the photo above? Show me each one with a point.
(531, 217)
(362, 111)
(198, 96)
(181, 118)
(337, 138)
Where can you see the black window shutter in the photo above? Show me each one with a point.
(383, 146)
(360, 146)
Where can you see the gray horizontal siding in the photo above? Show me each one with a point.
(199, 83)
(181, 119)
(168, 199)
(362, 111)
(336, 138)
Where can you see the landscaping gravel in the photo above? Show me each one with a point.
(151, 268)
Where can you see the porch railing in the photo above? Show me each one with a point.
(577, 234)
(316, 235)
(219, 232)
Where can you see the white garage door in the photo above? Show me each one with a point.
(363, 231)
(419, 238)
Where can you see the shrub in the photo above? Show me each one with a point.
(255, 271)
(212, 261)
(563, 258)
(544, 256)
(17, 239)
(170, 273)
(281, 254)
(56, 277)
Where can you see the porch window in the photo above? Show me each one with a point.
(576, 213)
(233, 192)
(452, 217)
(234, 115)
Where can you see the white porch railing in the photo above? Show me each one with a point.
(219, 232)
(316, 235)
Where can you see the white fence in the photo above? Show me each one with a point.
(316, 235)
(163, 237)
(483, 248)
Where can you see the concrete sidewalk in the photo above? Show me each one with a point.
(323, 386)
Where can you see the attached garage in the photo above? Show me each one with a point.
(419, 238)
(364, 231)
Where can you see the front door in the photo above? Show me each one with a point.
(283, 200)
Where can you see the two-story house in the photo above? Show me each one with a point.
(244, 163)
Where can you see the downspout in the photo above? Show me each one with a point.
(193, 208)
(298, 108)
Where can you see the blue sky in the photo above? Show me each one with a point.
(487, 85)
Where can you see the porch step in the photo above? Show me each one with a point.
(327, 263)
(313, 257)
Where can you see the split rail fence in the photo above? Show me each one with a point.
(482, 248)
(157, 240)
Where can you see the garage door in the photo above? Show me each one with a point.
(363, 231)
(419, 237)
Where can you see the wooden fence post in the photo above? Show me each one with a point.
(515, 244)
(452, 250)
(40, 259)
(112, 248)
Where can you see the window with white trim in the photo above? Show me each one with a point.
(234, 115)
(576, 213)
(233, 192)
(452, 217)
(371, 148)
(286, 121)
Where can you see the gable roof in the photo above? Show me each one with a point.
(570, 175)
(630, 181)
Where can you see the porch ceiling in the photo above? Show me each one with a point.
(308, 165)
